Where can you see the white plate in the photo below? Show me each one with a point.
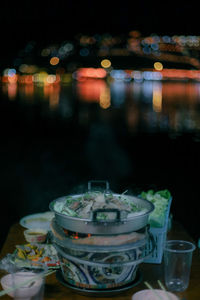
(35, 221)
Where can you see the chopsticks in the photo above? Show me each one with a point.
(26, 282)
(164, 289)
(155, 292)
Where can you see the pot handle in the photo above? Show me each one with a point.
(100, 183)
(106, 210)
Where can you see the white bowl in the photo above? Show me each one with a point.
(25, 292)
(150, 295)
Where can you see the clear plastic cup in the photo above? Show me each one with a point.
(177, 264)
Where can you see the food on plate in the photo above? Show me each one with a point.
(160, 200)
(43, 253)
(81, 206)
(29, 251)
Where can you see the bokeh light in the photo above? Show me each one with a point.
(106, 63)
(158, 66)
(54, 60)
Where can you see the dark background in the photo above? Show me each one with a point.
(46, 21)
(36, 161)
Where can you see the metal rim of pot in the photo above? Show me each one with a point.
(118, 225)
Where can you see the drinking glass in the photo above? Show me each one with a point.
(177, 264)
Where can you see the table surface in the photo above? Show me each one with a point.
(150, 272)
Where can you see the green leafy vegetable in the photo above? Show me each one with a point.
(160, 199)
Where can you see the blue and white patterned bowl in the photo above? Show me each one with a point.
(99, 270)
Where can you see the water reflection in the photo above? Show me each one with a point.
(52, 93)
(12, 90)
(93, 90)
(157, 97)
(119, 91)
(63, 134)
(149, 105)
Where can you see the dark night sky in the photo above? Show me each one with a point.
(43, 21)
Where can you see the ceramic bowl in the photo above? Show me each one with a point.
(26, 291)
(35, 235)
(151, 295)
(98, 270)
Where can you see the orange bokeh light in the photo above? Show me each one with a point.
(91, 73)
(54, 60)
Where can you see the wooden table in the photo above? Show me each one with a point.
(150, 272)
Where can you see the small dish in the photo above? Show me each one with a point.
(35, 235)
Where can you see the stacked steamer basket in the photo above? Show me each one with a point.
(100, 254)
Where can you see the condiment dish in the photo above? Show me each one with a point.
(35, 235)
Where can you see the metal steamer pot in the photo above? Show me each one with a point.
(101, 268)
(118, 225)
